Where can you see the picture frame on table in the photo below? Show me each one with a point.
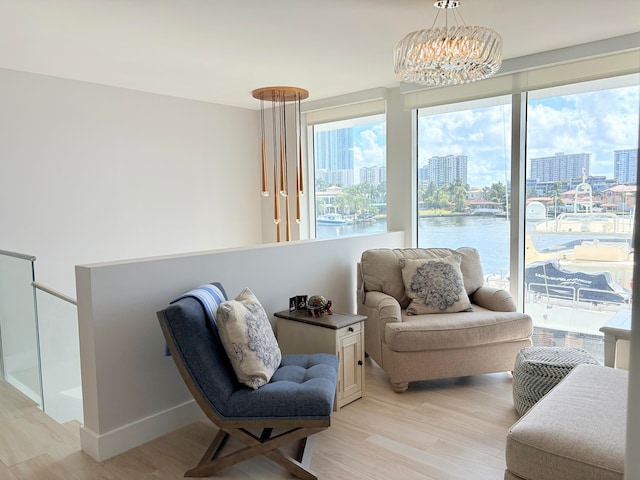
(301, 302)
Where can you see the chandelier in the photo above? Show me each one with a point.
(278, 162)
(449, 55)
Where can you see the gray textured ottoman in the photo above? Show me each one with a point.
(576, 432)
(538, 369)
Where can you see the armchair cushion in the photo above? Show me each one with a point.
(434, 285)
(446, 331)
(248, 339)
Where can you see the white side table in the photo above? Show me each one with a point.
(340, 333)
(617, 328)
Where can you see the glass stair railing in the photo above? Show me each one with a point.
(39, 342)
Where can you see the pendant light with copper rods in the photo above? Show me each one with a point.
(279, 96)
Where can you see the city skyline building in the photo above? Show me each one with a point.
(625, 165)
(334, 155)
(375, 175)
(560, 167)
(443, 170)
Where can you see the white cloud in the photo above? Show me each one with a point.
(369, 147)
(594, 122)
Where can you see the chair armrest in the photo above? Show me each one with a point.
(380, 309)
(495, 299)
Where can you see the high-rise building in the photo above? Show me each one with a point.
(374, 175)
(444, 170)
(561, 166)
(341, 177)
(334, 152)
(625, 165)
(423, 176)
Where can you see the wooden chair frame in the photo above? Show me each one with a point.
(294, 430)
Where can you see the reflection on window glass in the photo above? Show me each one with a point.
(350, 177)
(463, 180)
(582, 154)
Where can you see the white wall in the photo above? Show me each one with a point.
(93, 173)
(132, 392)
(402, 168)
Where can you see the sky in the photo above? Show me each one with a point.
(596, 122)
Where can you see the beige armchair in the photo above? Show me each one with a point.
(396, 289)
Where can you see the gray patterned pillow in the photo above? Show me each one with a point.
(434, 285)
(248, 339)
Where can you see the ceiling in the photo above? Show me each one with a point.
(220, 50)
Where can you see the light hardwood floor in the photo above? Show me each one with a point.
(441, 430)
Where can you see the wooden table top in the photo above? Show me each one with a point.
(335, 321)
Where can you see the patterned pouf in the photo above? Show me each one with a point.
(538, 369)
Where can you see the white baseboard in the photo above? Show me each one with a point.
(109, 444)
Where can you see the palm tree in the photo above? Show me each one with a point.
(497, 193)
(459, 194)
(555, 192)
(440, 198)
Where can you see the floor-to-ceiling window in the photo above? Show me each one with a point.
(578, 192)
(582, 154)
(350, 170)
(463, 180)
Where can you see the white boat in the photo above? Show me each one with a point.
(591, 256)
(332, 219)
(596, 242)
(489, 212)
(578, 274)
(536, 211)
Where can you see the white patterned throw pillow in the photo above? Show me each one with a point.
(434, 285)
(248, 339)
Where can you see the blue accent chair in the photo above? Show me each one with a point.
(298, 400)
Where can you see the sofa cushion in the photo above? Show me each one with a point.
(248, 339)
(439, 331)
(381, 270)
(576, 431)
(434, 285)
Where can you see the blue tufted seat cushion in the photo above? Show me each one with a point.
(303, 387)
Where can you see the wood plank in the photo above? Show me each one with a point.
(436, 430)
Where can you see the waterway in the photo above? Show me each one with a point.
(489, 235)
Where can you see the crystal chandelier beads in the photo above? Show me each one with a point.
(449, 55)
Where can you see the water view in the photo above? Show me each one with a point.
(451, 231)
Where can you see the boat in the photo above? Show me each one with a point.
(333, 219)
(613, 255)
(536, 211)
(366, 218)
(593, 241)
(549, 279)
(489, 212)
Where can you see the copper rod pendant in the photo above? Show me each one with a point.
(279, 96)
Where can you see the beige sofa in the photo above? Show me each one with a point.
(575, 432)
(436, 345)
